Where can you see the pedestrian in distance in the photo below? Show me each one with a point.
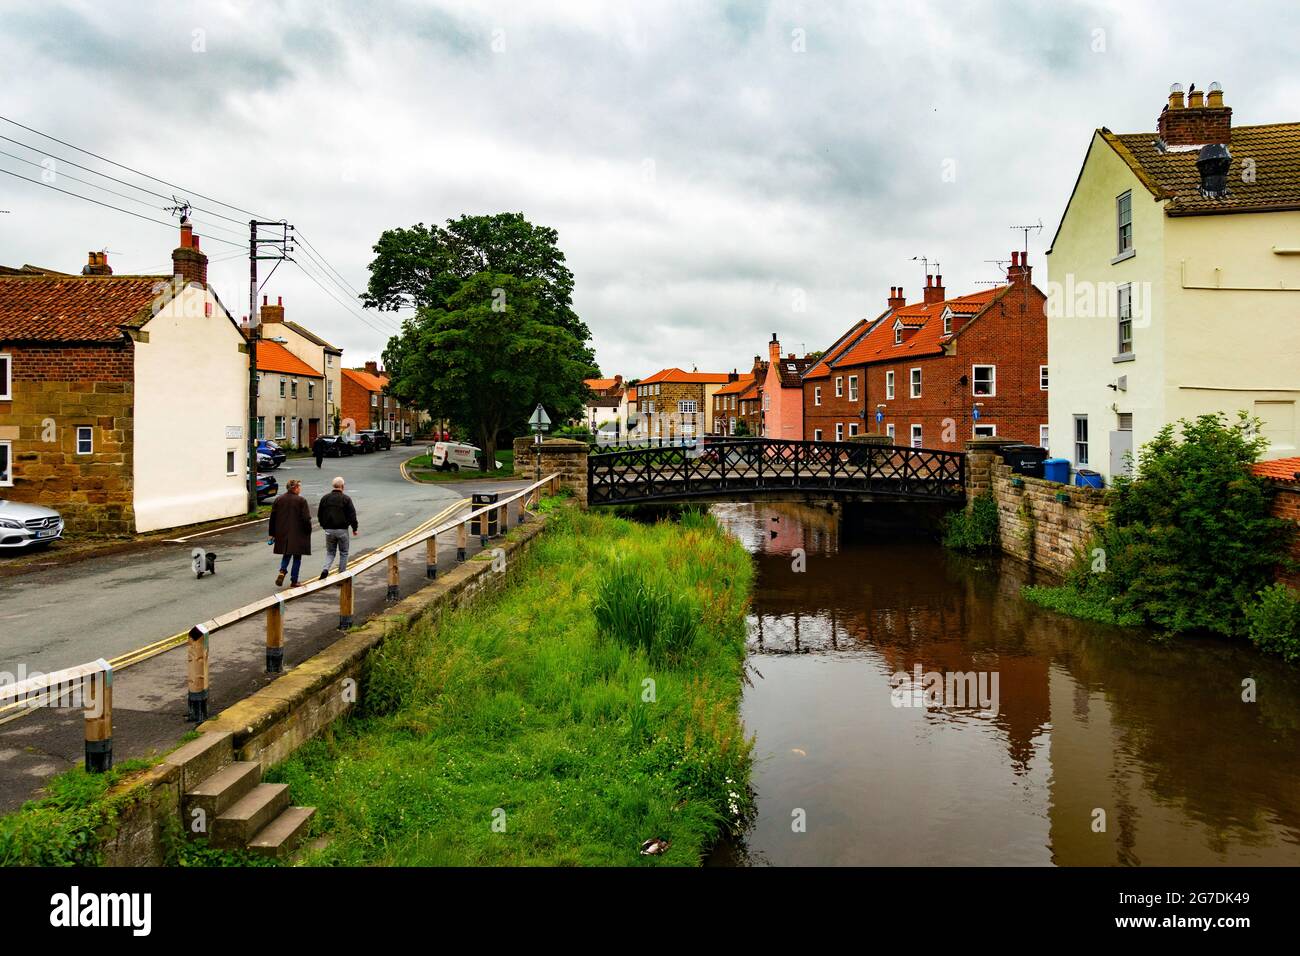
(318, 449)
(290, 531)
(336, 515)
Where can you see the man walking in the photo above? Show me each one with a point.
(318, 449)
(336, 515)
(290, 531)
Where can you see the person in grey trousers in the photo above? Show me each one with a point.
(336, 515)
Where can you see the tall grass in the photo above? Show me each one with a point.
(544, 725)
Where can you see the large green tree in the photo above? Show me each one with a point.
(487, 356)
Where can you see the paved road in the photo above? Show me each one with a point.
(103, 607)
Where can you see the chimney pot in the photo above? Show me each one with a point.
(188, 261)
(279, 300)
(263, 300)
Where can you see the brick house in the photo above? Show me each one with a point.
(782, 393)
(319, 355)
(366, 404)
(940, 371)
(675, 403)
(726, 403)
(123, 399)
(290, 396)
(750, 408)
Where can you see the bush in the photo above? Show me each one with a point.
(1189, 540)
(639, 614)
(1273, 621)
(975, 529)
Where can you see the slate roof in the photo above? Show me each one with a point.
(62, 308)
(791, 370)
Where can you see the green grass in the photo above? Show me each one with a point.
(1066, 600)
(522, 711)
(505, 456)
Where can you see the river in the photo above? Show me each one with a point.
(1076, 744)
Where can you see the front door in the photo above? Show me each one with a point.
(1121, 444)
(313, 431)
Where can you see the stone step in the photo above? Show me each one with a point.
(237, 825)
(220, 791)
(279, 837)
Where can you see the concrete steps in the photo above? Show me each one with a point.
(241, 812)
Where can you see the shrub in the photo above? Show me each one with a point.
(975, 529)
(637, 613)
(1273, 621)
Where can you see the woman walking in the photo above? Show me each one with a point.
(290, 531)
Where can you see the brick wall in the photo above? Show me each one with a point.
(1286, 504)
(832, 409)
(69, 387)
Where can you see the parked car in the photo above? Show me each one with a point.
(265, 462)
(362, 443)
(381, 440)
(23, 525)
(272, 451)
(267, 488)
(454, 456)
(336, 446)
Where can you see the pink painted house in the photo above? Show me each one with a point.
(783, 393)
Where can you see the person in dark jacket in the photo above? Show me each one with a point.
(318, 449)
(290, 531)
(336, 515)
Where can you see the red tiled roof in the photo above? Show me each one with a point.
(371, 383)
(630, 392)
(751, 391)
(926, 319)
(56, 308)
(738, 386)
(686, 378)
(846, 341)
(1281, 469)
(274, 357)
(599, 384)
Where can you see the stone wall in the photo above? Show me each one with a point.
(561, 456)
(55, 391)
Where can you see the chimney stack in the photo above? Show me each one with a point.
(1020, 272)
(187, 261)
(896, 300)
(774, 349)
(97, 265)
(933, 289)
(372, 368)
(272, 313)
(1200, 123)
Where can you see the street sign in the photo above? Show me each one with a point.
(880, 417)
(540, 421)
(975, 413)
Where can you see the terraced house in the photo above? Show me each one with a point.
(679, 404)
(1175, 283)
(726, 404)
(366, 404)
(940, 371)
(123, 398)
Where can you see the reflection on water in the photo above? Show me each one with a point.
(1090, 720)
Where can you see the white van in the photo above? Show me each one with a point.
(453, 456)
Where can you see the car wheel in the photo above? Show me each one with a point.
(455, 467)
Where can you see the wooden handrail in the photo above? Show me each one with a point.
(95, 682)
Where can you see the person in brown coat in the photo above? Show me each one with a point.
(290, 531)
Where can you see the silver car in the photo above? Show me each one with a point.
(23, 525)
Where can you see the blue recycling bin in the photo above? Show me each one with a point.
(1083, 478)
(1057, 470)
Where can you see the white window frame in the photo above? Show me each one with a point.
(280, 422)
(282, 380)
(261, 426)
(1121, 246)
(817, 395)
(293, 388)
(984, 431)
(90, 439)
(853, 388)
(889, 430)
(1044, 437)
(1043, 378)
(1080, 457)
(947, 322)
(898, 335)
(914, 382)
(1124, 320)
(889, 385)
(839, 431)
(7, 378)
(687, 406)
(7, 473)
(817, 434)
(916, 436)
(839, 386)
(993, 381)
(329, 360)
(311, 391)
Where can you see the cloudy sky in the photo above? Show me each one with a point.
(717, 171)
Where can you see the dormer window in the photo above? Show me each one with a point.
(947, 321)
(898, 333)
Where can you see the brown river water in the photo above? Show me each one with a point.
(1066, 743)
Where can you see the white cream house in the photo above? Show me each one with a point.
(1174, 284)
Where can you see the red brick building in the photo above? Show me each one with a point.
(939, 371)
(726, 403)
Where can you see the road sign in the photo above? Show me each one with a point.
(540, 421)
(880, 417)
(975, 413)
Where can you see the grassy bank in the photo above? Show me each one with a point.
(419, 469)
(521, 731)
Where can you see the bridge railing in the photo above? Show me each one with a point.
(721, 466)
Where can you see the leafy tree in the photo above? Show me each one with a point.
(1189, 539)
(488, 356)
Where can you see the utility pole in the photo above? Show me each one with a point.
(255, 333)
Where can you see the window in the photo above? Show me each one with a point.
(916, 383)
(329, 360)
(898, 335)
(282, 386)
(947, 323)
(649, 408)
(6, 378)
(230, 461)
(985, 431)
(6, 456)
(1042, 377)
(311, 390)
(839, 431)
(293, 389)
(329, 391)
(1124, 216)
(853, 388)
(916, 436)
(817, 434)
(1042, 436)
(839, 386)
(374, 400)
(1081, 439)
(817, 394)
(889, 385)
(984, 380)
(889, 430)
(279, 426)
(261, 426)
(1124, 311)
(85, 440)
(732, 424)
(293, 429)
(686, 406)
(853, 429)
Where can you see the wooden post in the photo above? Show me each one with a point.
(345, 603)
(394, 577)
(431, 557)
(503, 519)
(462, 540)
(275, 637)
(197, 673)
(99, 720)
(521, 505)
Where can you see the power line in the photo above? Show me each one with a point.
(332, 295)
(322, 266)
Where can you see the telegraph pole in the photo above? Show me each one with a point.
(255, 333)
